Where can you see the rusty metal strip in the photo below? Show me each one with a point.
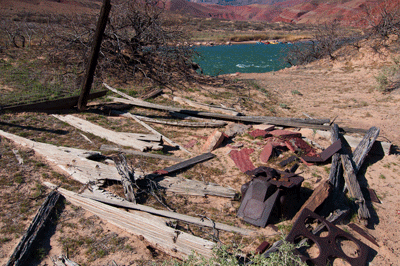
(327, 244)
(363, 233)
(326, 154)
(288, 160)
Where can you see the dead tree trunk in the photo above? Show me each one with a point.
(22, 251)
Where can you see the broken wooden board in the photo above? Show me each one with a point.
(183, 124)
(364, 147)
(64, 103)
(122, 138)
(173, 143)
(319, 195)
(184, 186)
(379, 147)
(167, 239)
(23, 249)
(105, 147)
(70, 160)
(74, 162)
(100, 195)
(205, 106)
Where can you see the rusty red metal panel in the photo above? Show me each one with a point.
(296, 144)
(258, 133)
(242, 159)
(363, 233)
(266, 153)
(262, 247)
(284, 133)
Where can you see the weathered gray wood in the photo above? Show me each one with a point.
(195, 188)
(365, 145)
(70, 160)
(161, 237)
(18, 156)
(354, 141)
(336, 170)
(75, 163)
(354, 188)
(155, 131)
(105, 147)
(102, 196)
(183, 124)
(62, 260)
(302, 123)
(94, 54)
(127, 177)
(151, 94)
(122, 138)
(23, 249)
(205, 106)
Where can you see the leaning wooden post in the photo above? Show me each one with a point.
(94, 54)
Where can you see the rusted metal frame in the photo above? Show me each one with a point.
(59, 104)
(363, 233)
(327, 244)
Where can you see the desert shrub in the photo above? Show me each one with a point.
(388, 78)
(233, 256)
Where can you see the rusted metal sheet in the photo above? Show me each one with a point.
(288, 160)
(242, 159)
(326, 154)
(64, 103)
(258, 133)
(267, 189)
(298, 145)
(363, 233)
(266, 153)
(328, 245)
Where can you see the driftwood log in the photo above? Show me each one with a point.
(23, 249)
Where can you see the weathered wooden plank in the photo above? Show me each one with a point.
(187, 163)
(174, 242)
(354, 188)
(105, 147)
(155, 131)
(23, 249)
(121, 138)
(205, 106)
(316, 199)
(64, 103)
(336, 170)
(183, 124)
(257, 120)
(102, 196)
(363, 148)
(151, 94)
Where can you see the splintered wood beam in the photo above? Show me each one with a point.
(354, 188)
(105, 197)
(160, 236)
(22, 251)
(205, 106)
(133, 140)
(336, 170)
(183, 124)
(105, 147)
(363, 148)
(155, 132)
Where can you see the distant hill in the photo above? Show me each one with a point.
(349, 12)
